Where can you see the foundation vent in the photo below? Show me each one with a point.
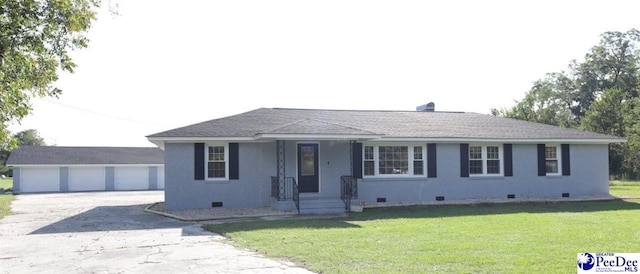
(216, 204)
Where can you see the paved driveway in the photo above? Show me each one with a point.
(108, 232)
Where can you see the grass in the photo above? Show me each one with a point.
(495, 238)
(5, 199)
(625, 188)
(6, 183)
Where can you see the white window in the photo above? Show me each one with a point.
(418, 161)
(369, 161)
(485, 160)
(217, 163)
(393, 160)
(552, 159)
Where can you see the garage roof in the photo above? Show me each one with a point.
(55, 155)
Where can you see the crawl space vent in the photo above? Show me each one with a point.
(216, 204)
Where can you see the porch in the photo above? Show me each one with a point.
(315, 188)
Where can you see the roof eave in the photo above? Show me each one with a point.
(83, 165)
(160, 141)
(506, 140)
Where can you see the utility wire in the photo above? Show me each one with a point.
(102, 114)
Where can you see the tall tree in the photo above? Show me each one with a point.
(606, 113)
(29, 137)
(630, 163)
(598, 94)
(612, 64)
(547, 102)
(35, 39)
(607, 116)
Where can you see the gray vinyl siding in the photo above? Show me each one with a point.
(258, 161)
(153, 177)
(64, 179)
(17, 176)
(110, 178)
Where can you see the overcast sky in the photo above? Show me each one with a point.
(165, 64)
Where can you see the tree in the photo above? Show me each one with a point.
(547, 102)
(606, 116)
(29, 137)
(35, 39)
(598, 94)
(630, 163)
(612, 64)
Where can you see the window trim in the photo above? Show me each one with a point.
(485, 159)
(410, 159)
(226, 161)
(558, 158)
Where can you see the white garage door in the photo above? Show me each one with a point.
(160, 177)
(86, 178)
(45, 179)
(131, 178)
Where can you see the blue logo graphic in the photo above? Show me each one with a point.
(586, 261)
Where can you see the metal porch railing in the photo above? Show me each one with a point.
(349, 190)
(286, 192)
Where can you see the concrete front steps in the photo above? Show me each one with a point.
(320, 205)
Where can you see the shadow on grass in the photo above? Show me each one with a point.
(444, 211)
(339, 223)
(431, 211)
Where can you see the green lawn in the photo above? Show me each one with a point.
(5, 199)
(488, 238)
(625, 188)
(6, 183)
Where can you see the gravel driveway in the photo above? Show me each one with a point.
(108, 232)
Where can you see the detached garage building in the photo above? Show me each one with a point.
(68, 169)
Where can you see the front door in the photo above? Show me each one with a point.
(308, 179)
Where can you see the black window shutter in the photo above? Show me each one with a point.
(508, 160)
(234, 161)
(198, 161)
(542, 163)
(464, 160)
(566, 160)
(357, 160)
(432, 168)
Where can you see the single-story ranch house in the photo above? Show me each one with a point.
(323, 161)
(67, 169)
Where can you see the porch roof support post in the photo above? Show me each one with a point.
(280, 172)
(351, 158)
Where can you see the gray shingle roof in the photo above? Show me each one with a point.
(388, 124)
(54, 155)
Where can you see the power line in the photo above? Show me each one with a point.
(103, 114)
